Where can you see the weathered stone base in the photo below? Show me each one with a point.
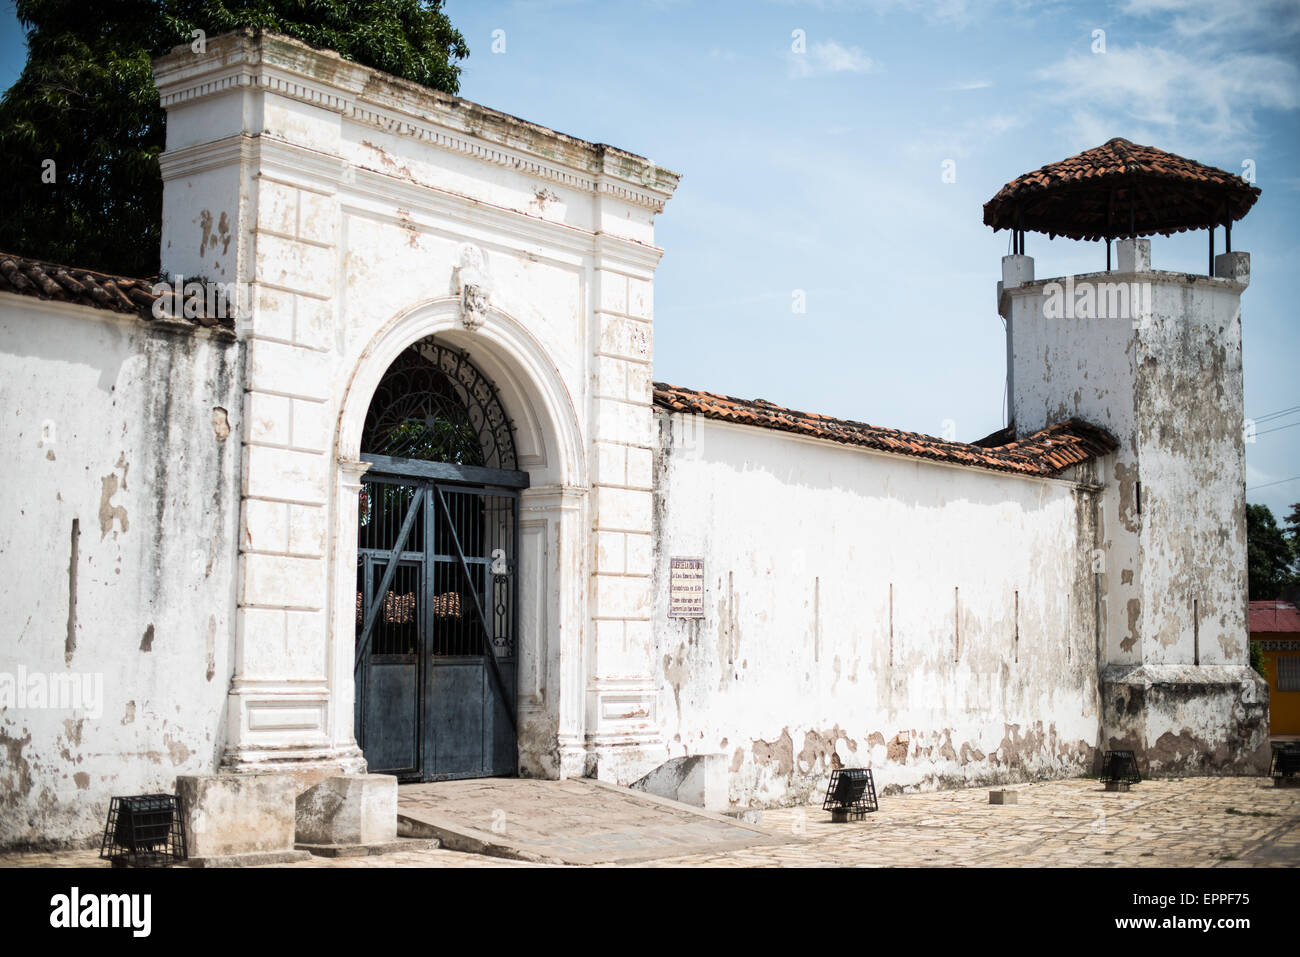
(228, 817)
(348, 810)
(699, 780)
(259, 859)
(1186, 719)
(371, 850)
(622, 759)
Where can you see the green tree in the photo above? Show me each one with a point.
(1269, 555)
(1292, 532)
(85, 110)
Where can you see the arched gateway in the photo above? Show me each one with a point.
(437, 602)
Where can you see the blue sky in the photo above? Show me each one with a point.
(821, 172)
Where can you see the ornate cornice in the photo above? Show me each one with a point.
(362, 95)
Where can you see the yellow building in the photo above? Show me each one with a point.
(1275, 626)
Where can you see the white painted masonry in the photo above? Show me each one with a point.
(184, 502)
(352, 202)
(117, 562)
(862, 609)
(1164, 376)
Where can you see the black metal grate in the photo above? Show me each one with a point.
(1286, 762)
(851, 793)
(144, 831)
(434, 404)
(1120, 766)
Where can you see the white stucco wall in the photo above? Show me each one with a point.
(1167, 383)
(117, 563)
(799, 655)
(1165, 378)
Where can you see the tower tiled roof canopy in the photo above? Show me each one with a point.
(1045, 453)
(1120, 189)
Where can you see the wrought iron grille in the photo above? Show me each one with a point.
(144, 831)
(1120, 766)
(467, 566)
(384, 507)
(1286, 763)
(483, 524)
(433, 404)
(851, 794)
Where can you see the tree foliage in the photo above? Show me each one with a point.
(86, 101)
(1270, 554)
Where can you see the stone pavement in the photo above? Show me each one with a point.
(1190, 822)
(576, 821)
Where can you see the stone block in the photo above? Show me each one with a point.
(226, 816)
(623, 509)
(1004, 797)
(698, 779)
(1234, 266)
(1133, 255)
(1017, 270)
(613, 292)
(317, 215)
(621, 597)
(351, 809)
(277, 207)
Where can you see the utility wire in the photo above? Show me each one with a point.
(1278, 482)
(1291, 425)
(1274, 415)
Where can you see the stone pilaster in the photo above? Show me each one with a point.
(621, 724)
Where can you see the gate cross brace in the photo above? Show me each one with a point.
(478, 610)
(387, 582)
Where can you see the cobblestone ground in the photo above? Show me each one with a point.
(1193, 822)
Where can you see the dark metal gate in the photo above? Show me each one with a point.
(437, 611)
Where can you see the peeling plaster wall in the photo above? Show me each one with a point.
(861, 610)
(1171, 391)
(117, 563)
(1166, 380)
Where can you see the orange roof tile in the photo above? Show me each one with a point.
(1088, 196)
(1047, 452)
(33, 277)
(1276, 617)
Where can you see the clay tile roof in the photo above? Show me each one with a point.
(1044, 453)
(32, 277)
(1090, 196)
(1275, 617)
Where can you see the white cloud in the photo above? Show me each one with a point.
(1214, 19)
(828, 56)
(935, 11)
(1201, 99)
(973, 85)
(964, 140)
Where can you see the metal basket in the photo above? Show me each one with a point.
(1286, 762)
(144, 831)
(851, 794)
(1120, 766)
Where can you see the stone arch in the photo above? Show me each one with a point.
(547, 434)
(551, 449)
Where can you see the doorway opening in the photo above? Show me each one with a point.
(437, 603)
